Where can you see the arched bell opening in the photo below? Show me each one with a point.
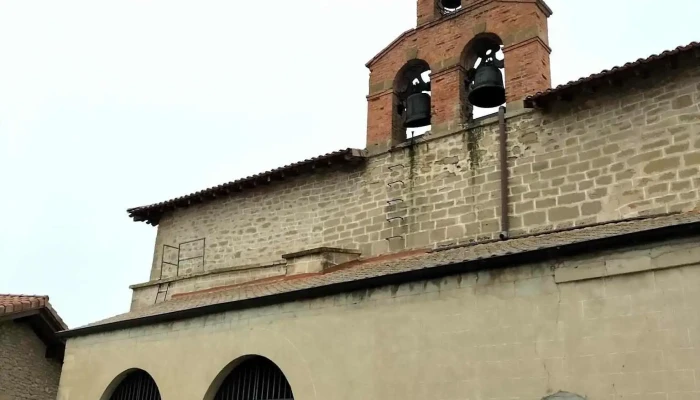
(253, 377)
(412, 100)
(484, 84)
(448, 7)
(134, 384)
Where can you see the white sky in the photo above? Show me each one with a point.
(106, 105)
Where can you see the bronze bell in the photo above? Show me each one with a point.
(417, 110)
(487, 89)
(451, 3)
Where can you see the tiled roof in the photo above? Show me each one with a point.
(152, 213)
(15, 304)
(611, 74)
(364, 272)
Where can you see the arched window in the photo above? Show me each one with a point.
(255, 378)
(448, 7)
(412, 91)
(486, 49)
(137, 385)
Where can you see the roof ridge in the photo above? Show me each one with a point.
(23, 295)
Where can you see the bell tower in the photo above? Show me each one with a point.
(449, 37)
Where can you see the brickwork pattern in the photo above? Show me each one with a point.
(513, 333)
(25, 374)
(444, 45)
(624, 152)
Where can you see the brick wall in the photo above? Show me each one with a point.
(25, 374)
(426, 11)
(444, 43)
(628, 328)
(623, 152)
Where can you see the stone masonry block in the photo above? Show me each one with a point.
(563, 213)
(691, 159)
(661, 165)
(671, 257)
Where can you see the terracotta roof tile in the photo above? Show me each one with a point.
(413, 262)
(152, 213)
(17, 303)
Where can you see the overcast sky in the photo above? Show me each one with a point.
(106, 105)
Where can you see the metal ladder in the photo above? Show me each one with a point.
(396, 208)
(162, 289)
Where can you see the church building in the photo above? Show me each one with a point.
(546, 249)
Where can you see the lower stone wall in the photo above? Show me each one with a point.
(25, 374)
(626, 329)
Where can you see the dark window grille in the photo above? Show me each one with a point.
(256, 378)
(137, 385)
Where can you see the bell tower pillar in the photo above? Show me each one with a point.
(427, 11)
(442, 43)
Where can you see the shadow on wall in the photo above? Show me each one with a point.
(560, 395)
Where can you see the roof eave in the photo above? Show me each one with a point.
(388, 47)
(616, 241)
(152, 214)
(46, 326)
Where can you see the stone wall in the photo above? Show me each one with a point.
(620, 324)
(621, 152)
(25, 374)
(625, 152)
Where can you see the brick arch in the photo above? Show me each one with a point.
(416, 63)
(468, 56)
(401, 80)
(467, 59)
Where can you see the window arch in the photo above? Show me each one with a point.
(412, 82)
(137, 384)
(256, 378)
(448, 7)
(484, 46)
